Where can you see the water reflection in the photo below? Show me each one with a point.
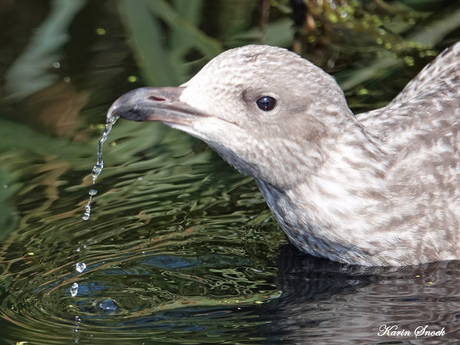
(332, 303)
(185, 286)
(163, 252)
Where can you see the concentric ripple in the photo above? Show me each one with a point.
(169, 251)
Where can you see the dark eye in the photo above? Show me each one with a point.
(266, 103)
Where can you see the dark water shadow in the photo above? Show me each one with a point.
(324, 302)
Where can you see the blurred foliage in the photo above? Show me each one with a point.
(365, 43)
(42, 52)
(162, 65)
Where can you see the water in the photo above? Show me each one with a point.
(189, 262)
(97, 169)
(80, 267)
(100, 162)
(87, 214)
(74, 290)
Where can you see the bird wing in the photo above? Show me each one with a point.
(430, 101)
(443, 73)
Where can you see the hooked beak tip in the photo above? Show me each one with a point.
(154, 104)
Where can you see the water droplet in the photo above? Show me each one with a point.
(97, 169)
(80, 267)
(5, 186)
(74, 290)
(75, 329)
(56, 65)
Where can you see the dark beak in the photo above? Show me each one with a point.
(155, 104)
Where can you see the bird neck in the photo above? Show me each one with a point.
(328, 210)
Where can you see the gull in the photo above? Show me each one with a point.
(377, 189)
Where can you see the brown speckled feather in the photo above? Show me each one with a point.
(381, 188)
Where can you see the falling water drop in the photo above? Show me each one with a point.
(97, 169)
(75, 329)
(74, 289)
(80, 267)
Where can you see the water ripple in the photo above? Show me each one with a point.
(142, 266)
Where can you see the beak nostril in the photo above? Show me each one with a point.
(155, 98)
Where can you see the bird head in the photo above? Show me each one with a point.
(264, 109)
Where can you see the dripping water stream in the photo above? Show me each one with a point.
(99, 163)
(97, 169)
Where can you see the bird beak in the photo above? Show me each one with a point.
(155, 104)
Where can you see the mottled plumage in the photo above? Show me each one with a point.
(381, 188)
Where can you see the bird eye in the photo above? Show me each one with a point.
(266, 103)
